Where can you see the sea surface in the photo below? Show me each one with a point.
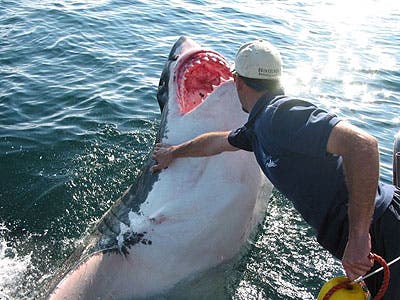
(78, 117)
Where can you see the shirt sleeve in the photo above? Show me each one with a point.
(241, 138)
(299, 126)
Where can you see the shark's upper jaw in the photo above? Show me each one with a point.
(196, 76)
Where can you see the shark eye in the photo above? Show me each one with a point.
(197, 76)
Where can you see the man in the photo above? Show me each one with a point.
(329, 169)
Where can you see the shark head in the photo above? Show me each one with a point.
(190, 75)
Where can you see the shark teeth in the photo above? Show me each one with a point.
(197, 75)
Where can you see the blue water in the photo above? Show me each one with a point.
(78, 116)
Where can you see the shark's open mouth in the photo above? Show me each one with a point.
(197, 75)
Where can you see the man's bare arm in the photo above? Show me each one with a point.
(206, 144)
(361, 166)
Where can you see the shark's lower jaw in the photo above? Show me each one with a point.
(197, 75)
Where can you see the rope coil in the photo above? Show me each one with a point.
(343, 285)
(348, 284)
(386, 275)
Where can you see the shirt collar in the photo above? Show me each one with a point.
(263, 102)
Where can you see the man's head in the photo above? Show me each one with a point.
(258, 68)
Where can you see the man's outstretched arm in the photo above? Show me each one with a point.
(361, 166)
(206, 144)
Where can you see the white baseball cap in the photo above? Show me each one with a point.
(258, 60)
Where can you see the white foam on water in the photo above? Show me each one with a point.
(12, 267)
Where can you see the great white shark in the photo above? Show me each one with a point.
(187, 219)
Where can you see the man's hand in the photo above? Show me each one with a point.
(163, 155)
(355, 260)
(206, 144)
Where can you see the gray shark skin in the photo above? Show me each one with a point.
(187, 219)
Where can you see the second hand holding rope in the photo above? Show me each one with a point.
(382, 290)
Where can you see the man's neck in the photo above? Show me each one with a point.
(253, 97)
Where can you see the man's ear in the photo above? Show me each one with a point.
(239, 82)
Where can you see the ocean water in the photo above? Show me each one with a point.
(78, 117)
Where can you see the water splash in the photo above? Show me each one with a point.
(12, 266)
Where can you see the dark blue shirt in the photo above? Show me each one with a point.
(289, 138)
